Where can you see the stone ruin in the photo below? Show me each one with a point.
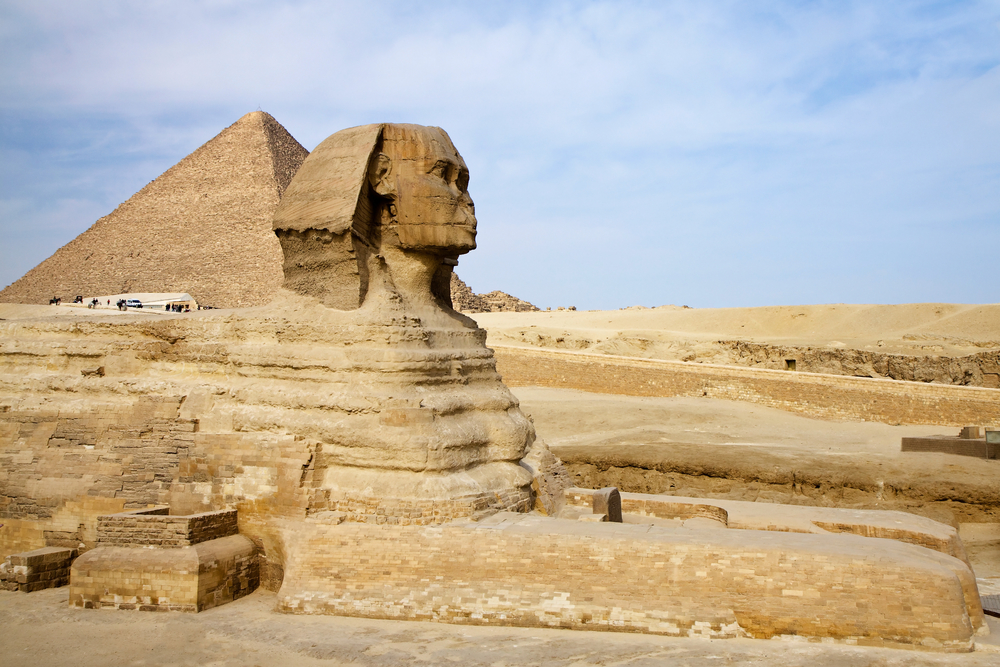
(970, 441)
(465, 300)
(380, 467)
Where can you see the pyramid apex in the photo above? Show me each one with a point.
(254, 115)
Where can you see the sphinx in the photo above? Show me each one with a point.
(380, 467)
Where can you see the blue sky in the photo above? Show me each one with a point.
(702, 153)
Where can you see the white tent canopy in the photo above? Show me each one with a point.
(157, 300)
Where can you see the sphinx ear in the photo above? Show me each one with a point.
(380, 176)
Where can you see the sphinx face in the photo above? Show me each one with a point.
(434, 210)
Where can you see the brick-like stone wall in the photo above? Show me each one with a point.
(154, 527)
(813, 394)
(977, 447)
(122, 451)
(191, 579)
(48, 567)
(53, 489)
(525, 570)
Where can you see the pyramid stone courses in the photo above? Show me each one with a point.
(203, 227)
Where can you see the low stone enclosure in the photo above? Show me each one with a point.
(149, 560)
(674, 566)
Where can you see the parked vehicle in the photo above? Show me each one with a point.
(133, 303)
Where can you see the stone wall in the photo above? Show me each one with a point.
(525, 570)
(36, 570)
(977, 447)
(981, 369)
(813, 394)
(739, 514)
(58, 491)
(154, 527)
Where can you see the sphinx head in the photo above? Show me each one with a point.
(377, 199)
(427, 181)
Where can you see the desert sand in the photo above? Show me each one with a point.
(670, 332)
(41, 629)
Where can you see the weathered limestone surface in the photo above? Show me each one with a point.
(36, 570)
(814, 394)
(192, 578)
(981, 369)
(899, 526)
(380, 466)
(515, 569)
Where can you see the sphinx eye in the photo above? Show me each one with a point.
(440, 169)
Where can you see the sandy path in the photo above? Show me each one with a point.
(40, 629)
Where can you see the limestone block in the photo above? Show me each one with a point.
(191, 578)
(48, 567)
(608, 501)
(516, 569)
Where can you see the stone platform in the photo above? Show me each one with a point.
(152, 561)
(945, 444)
(684, 580)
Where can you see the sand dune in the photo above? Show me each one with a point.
(932, 342)
(903, 327)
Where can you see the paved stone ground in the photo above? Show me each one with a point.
(40, 629)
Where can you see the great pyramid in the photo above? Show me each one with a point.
(203, 227)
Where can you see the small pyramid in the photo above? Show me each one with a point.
(202, 227)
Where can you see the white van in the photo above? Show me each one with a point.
(133, 303)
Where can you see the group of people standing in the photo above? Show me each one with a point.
(122, 304)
